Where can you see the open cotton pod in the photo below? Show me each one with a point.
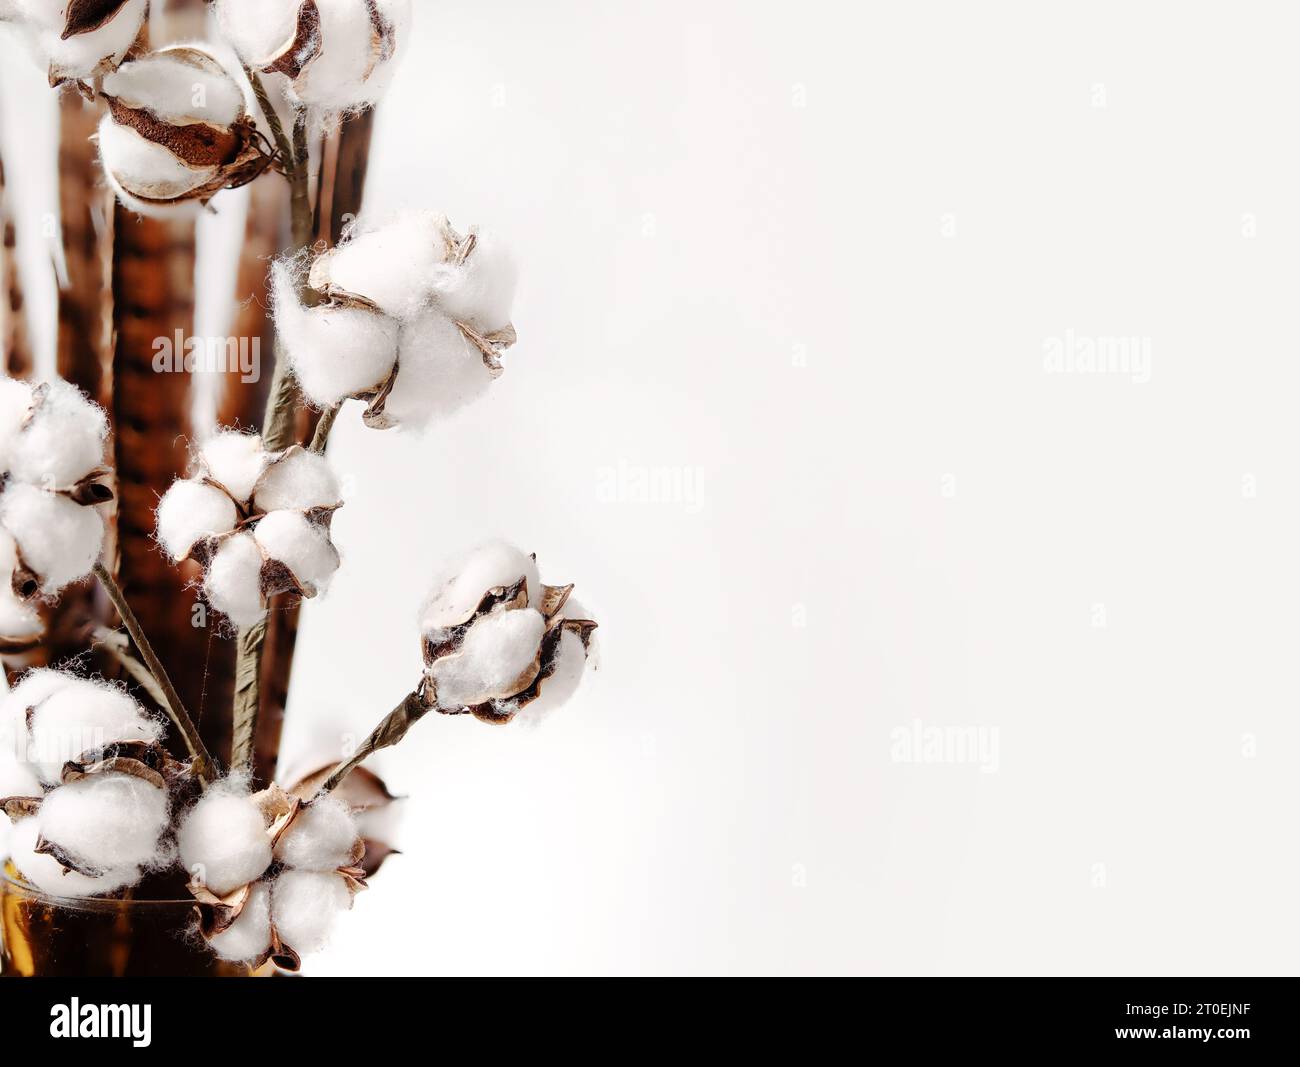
(339, 55)
(177, 130)
(51, 481)
(76, 39)
(494, 638)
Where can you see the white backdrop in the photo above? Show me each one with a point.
(786, 407)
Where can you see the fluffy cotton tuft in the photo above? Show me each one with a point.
(348, 73)
(236, 460)
(233, 582)
(79, 715)
(42, 23)
(440, 372)
(392, 264)
(480, 291)
(62, 442)
(304, 905)
(257, 29)
(108, 821)
(569, 665)
(249, 936)
(143, 167)
(48, 875)
(492, 661)
(191, 511)
(17, 779)
(301, 545)
(334, 352)
(495, 565)
(59, 538)
(223, 841)
(321, 838)
(177, 90)
(298, 481)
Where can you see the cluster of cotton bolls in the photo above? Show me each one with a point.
(499, 643)
(80, 776)
(271, 874)
(414, 321)
(51, 462)
(176, 132)
(258, 521)
(75, 39)
(338, 55)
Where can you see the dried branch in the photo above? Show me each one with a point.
(391, 730)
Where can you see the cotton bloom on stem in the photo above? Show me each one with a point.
(414, 320)
(270, 872)
(338, 55)
(176, 132)
(51, 481)
(86, 783)
(500, 644)
(76, 39)
(258, 522)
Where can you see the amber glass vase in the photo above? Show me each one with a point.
(47, 936)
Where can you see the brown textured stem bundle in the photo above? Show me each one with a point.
(391, 730)
(203, 765)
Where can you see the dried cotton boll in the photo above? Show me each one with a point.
(81, 715)
(457, 593)
(107, 820)
(177, 90)
(236, 460)
(361, 44)
(145, 170)
(174, 209)
(258, 29)
(391, 265)
(233, 582)
(298, 480)
(62, 441)
(48, 875)
(321, 838)
(223, 841)
(480, 291)
(496, 659)
(190, 512)
(568, 666)
(249, 936)
(440, 372)
(334, 352)
(304, 905)
(98, 35)
(290, 538)
(59, 538)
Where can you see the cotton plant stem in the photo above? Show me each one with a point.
(248, 694)
(391, 730)
(323, 426)
(272, 117)
(204, 766)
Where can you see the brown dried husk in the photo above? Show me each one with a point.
(86, 16)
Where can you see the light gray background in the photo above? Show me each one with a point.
(802, 264)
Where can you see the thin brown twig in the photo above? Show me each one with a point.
(323, 426)
(204, 766)
(390, 730)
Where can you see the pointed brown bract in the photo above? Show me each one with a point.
(301, 48)
(86, 16)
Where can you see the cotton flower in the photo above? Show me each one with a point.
(176, 131)
(339, 55)
(51, 454)
(258, 522)
(414, 320)
(270, 871)
(76, 39)
(499, 643)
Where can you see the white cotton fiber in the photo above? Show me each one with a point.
(64, 440)
(346, 75)
(440, 372)
(479, 292)
(175, 209)
(458, 591)
(78, 56)
(492, 659)
(236, 460)
(17, 779)
(233, 582)
(249, 936)
(334, 352)
(223, 841)
(190, 511)
(258, 29)
(15, 400)
(81, 715)
(304, 905)
(302, 546)
(321, 838)
(59, 539)
(19, 619)
(35, 687)
(569, 664)
(177, 90)
(107, 820)
(144, 168)
(391, 265)
(46, 874)
(298, 481)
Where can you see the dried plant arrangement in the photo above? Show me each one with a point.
(115, 789)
